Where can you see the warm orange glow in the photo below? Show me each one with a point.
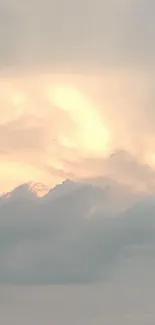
(14, 173)
(49, 124)
(18, 99)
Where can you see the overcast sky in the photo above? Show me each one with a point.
(83, 306)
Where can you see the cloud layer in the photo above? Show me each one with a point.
(79, 237)
(77, 304)
(113, 33)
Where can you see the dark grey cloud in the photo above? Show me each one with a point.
(54, 241)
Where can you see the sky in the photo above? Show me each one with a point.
(76, 84)
(62, 264)
(84, 305)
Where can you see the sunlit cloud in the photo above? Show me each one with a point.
(92, 133)
(47, 120)
(76, 83)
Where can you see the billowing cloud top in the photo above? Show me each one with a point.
(77, 233)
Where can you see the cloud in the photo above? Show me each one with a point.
(71, 123)
(105, 51)
(53, 241)
(98, 59)
(113, 33)
(60, 173)
(24, 134)
(121, 166)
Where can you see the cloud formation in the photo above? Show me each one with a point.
(76, 82)
(61, 122)
(76, 87)
(78, 237)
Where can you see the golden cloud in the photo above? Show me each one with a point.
(48, 119)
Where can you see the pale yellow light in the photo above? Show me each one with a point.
(150, 159)
(18, 99)
(92, 134)
(14, 173)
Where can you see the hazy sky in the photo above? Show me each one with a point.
(76, 82)
(84, 305)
